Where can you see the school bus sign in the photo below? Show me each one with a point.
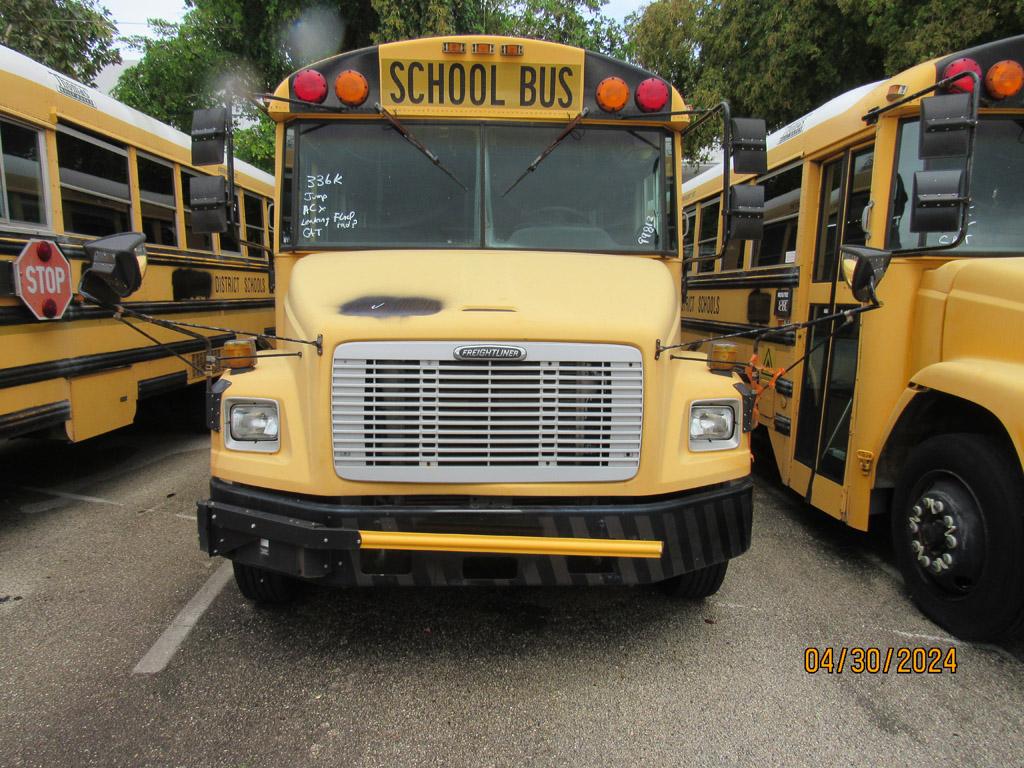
(42, 279)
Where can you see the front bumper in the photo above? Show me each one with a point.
(485, 540)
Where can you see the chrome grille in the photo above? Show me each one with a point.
(410, 412)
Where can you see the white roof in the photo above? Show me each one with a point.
(28, 69)
(829, 109)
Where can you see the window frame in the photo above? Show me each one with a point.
(755, 251)
(186, 210)
(140, 154)
(713, 200)
(44, 179)
(104, 144)
(261, 253)
(666, 249)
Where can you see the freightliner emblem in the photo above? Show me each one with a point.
(490, 352)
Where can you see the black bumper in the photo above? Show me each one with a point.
(318, 538)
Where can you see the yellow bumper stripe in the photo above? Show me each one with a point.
(509, 545)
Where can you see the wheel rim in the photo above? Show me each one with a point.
(946, 533)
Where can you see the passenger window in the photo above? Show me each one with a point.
(732, 254)
(255, 225)
(708, 243)
(858, 196)
(689, 231)
(287, 165)
(228, 241)
(781, 212)
(21, 174)
(193, 240)
(828, 227)
(156, 190)
(93, 184)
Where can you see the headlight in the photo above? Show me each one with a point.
(713, 426)
(252, 425)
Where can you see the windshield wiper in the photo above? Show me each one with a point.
(405, 134)
(549, 149)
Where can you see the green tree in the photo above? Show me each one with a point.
(76, 37)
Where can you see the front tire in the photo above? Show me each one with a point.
(696, 584)
(262, 586)
(958, 535)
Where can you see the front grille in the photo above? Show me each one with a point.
(410, 412)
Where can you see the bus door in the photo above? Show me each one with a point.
(829, 371)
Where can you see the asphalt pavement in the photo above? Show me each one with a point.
(122, 644)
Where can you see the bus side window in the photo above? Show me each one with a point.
(21, 174)
(781, 210)
(94, 187)
(193, 240)
(689, 230)
(255, 225)
(156, 190)
(228, 241)
(708, 243)
(732, 254)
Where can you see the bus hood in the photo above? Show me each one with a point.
(984, 308)
(485, 295)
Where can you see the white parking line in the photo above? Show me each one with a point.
(44, 506)
(167, 644)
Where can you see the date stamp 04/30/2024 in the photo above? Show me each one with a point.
(859, 660)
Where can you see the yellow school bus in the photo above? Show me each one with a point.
(76, 165)
(914, 408)
(479, 240)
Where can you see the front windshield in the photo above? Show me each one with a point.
(361, 185)
(996, 215)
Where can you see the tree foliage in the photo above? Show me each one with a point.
(76, 37)
(779, 60)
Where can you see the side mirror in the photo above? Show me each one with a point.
(744, 218)
(938, 201)
(209, 133)
(946, 125)
(748, 145)
(208, 198)
(117, 266)
(863, 269)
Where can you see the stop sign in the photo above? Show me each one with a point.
(42, 278)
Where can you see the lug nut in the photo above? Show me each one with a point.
(924, 560)
(917, 547)
(947, 559)
(937, 566)
(913, 527)
(950, 541)
(917, 510)
(948, 520)
(938, 507)
(928, 503)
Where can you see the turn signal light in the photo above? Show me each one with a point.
(612, 94)
(651, 95)
(238, 353)
(351, 88)
(310, 85)
(722, 357)
(964, 84)
(1004, 79)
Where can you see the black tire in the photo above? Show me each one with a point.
(263, 586)
(695, 584)
(978, 592)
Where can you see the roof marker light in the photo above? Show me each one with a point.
(1004, 79)
(612, 94)
(351, 88)
(512, 50)
(895, 91)
(310, 85)
(453, 47)
(483, 47)
(964, 84)
(651, 95)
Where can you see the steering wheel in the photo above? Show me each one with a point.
(567, 214)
